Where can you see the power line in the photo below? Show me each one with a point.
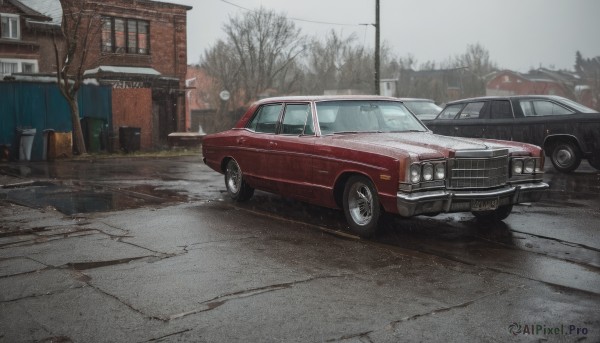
(296, 19)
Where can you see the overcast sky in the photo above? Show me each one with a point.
(519, 34)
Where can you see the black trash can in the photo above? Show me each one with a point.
(129, 138)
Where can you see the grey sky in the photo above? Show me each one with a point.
(519, 34)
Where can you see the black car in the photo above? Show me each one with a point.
(567, 130)
(424, 109)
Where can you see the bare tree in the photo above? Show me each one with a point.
(338, 63)
(266, 45)
(473, 65)
(477, 60)
(589, 70)
(222, 63)
(324, 61)
(80, 26)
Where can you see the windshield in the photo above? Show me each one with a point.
(365, 116)
(423, 107)
(577, 106)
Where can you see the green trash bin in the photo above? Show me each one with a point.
(92, 133)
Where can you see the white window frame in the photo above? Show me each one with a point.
(19, 62)
(10, 36)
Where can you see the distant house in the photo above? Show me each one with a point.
(544, 82)
(388, 87)
(541, 81)
(140, 52)
(201, 103)
(25, 39)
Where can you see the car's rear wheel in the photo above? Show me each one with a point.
(361, 206)
(496, 215)
(565, 157)
(237, 188)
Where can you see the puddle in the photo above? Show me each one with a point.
(71, 200)
(100, 264)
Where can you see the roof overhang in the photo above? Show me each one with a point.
(115, 70)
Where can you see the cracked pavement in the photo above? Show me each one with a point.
(190, 266)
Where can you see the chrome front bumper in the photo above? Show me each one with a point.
(431, 202)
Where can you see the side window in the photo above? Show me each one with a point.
(527, 108)
(472, 110)
(297, 120)
(265, 119)
(501, 109)
(547, 108)
(327, 115)
(450, 111)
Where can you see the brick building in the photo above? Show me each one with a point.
(508, 82)
(543, 81)
(138, 47)
(25, 36)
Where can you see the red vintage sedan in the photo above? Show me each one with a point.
(369, 155)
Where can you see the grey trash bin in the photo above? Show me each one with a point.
(25, 143)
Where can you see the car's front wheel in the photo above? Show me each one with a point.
(361, 206)
(496, 215)
(237, 188)
(565, 157)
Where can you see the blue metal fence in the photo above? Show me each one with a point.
(41, 106)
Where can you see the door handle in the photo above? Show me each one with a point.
(240, 140)
(273, 144)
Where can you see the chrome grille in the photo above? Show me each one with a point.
(480, 172)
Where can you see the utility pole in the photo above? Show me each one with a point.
(377, 25)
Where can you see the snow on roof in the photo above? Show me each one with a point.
(123, 70)
(50, 8)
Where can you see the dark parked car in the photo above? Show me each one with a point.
(424, 109)
(369, 155)
(568, 131)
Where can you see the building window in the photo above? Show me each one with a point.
(28, 67)
(10, 66)
(9, 26)
(125, 36)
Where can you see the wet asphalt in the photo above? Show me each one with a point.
(151, 249)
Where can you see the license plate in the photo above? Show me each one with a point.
(484, 204)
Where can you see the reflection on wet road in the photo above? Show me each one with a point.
(554, 241)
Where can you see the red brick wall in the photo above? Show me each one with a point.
(168, 40)
(133, 107)
(45, 53)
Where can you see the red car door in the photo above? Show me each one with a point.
(291, 150)
(254, 146)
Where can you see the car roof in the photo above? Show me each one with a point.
(510, 97)
(417, 99)
(325, 98)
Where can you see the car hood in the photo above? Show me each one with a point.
(424, 144)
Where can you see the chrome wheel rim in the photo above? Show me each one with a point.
(564, 157)
(234, 177)
(360, 203)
